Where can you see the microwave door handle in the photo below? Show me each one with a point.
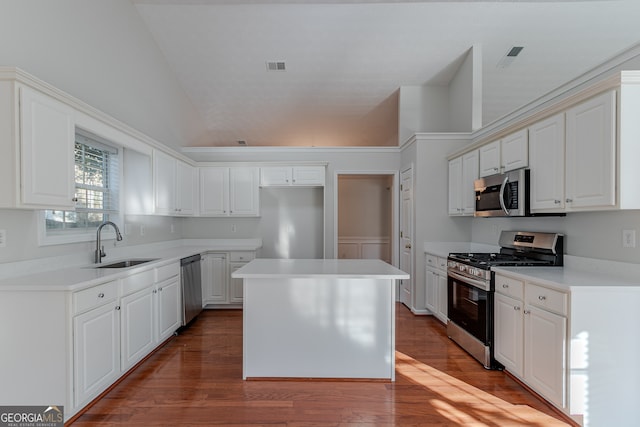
(503, 187)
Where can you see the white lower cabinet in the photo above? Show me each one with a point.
(168, 303)
(96, 351)
(136, 327)
(219, 289)
(531, 335)
(436, 286)
(117, 324)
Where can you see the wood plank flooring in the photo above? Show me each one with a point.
(196, 380)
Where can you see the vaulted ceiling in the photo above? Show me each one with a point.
(345, 60)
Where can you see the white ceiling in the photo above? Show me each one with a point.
(347, 59)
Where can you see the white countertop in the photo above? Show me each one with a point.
(580, 274)
(310, 268)
(79, 277)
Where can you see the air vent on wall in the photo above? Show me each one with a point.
(508, 58)
(242, 143)
(276, 66)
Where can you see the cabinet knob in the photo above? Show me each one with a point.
(495, 169)
(557, 202)
(75, 199)
(155, 291)
(516, 308)
(408, 246)
(505, 286)
(526, 311)
(101, 295)
(569, 200)
(117, 308)
(542, 297)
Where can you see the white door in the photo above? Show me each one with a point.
(544, 353)
(214, 286)
(590, 153)
(47, 138)
(406, 234)
(164, 181)
(96, 351)
(508, 334)
(214, 191)
(236, 290)
(136, 327)
(186, 188)
(546, 158)
(431, 291)
(169, 315)
(243, 191)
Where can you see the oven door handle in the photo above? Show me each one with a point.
(501, 198)
(477, 283)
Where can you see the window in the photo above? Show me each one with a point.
(97, 177)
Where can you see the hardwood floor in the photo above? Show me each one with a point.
(196, 380)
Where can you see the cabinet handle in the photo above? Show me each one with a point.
(557, 202)
(101, 295)
(75, 199)
(516, 308)
(155, 291)
(407, 246)
(160, 289)
(569, 200)
(117, 308)
(526, 311)
(505, 286)
(542, 297)
(495, 169)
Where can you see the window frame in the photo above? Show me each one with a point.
(46, 238)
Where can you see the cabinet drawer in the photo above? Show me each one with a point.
(546, 298)
(508, 286)
(94, 297)
(241, 256)
(432, 261)
(137, 282)
(167, 271)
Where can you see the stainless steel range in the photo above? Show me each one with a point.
(470, 290)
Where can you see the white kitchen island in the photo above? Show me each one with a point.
(319, 318)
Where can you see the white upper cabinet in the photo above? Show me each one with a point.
(285, 176)
(463, 171)
(175, 186)
(229, 191)
(546, 156)
(515, 151)
(47, 136)
(591, 153)
(186, 189)
(490, 159)
(164, 183)
(504, 155)
(573, 163)
(244, 188)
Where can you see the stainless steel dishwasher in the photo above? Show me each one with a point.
(191, 288)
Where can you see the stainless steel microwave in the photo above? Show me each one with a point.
(503, 194)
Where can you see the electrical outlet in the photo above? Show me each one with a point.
(233, 228)
(3, 238)
(127, 229)
(173, 228)
(142, 230)
(628, 238)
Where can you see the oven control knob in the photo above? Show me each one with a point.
(462, 267)
(473, 271)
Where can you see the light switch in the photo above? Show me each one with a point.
(3, 238)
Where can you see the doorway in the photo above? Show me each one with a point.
(366, 216)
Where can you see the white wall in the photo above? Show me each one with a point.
(422, 108)
(587, 234)
(100, 52)
(465, 94)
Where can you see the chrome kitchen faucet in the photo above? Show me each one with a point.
(100, 249)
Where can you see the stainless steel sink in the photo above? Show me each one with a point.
(126, 263)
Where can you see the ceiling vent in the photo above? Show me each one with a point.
(242, 143)
(508, 58)
(276, 66)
